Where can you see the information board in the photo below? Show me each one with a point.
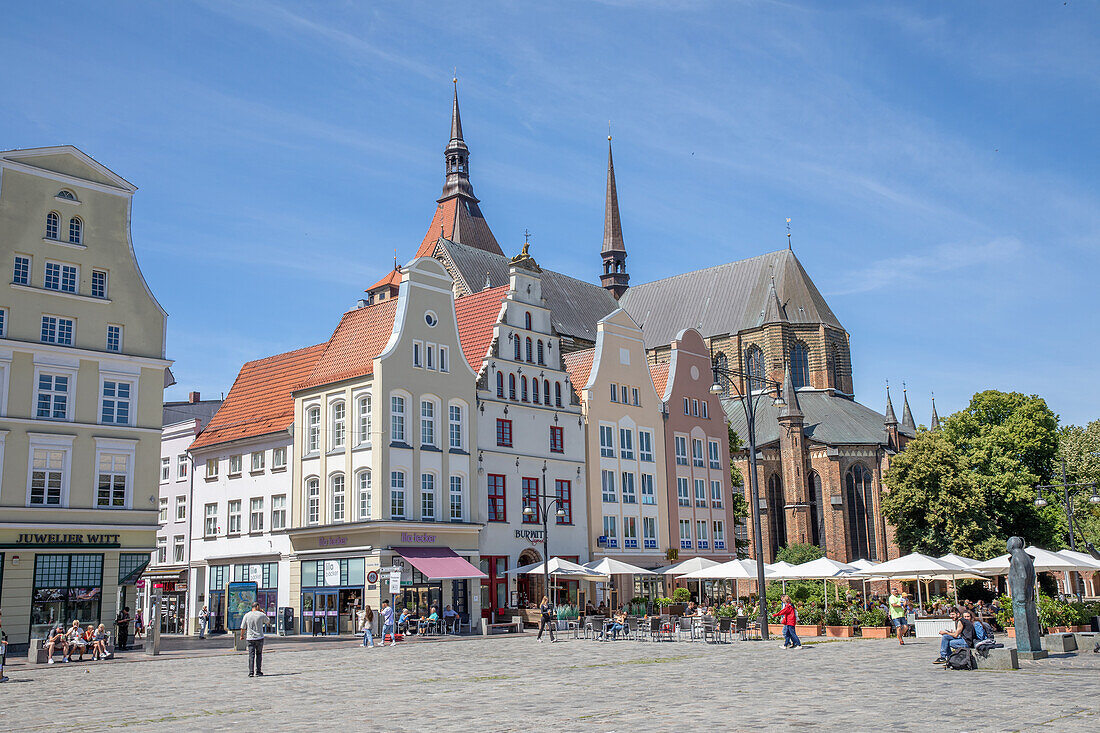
(239, 598)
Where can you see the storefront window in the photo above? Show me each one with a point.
(66, 587)
(218, 579)
(266, 576)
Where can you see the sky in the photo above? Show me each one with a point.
(938, 161)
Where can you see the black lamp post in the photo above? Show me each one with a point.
(749, 404)
(1094, 498)
(544, 504)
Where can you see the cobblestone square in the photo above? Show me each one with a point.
(504, 684)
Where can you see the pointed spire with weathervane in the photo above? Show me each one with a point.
(614, 276)
(907, 422)
(457, 157)
(891, 419)
(935, 424)
(790, 408)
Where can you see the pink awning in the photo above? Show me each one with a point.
(439, 563)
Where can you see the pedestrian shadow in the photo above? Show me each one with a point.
(280, 674)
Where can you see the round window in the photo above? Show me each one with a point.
(430, 319)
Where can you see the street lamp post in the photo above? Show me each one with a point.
(544, 504)
(1094, 498)
(748, 404)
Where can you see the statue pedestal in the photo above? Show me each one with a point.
(1041, 654)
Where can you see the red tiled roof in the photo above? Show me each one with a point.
(477, 314)
(443, 225)
(393, 279)
(659, 372)
(259, 402)
(579, 366)
(350, 352)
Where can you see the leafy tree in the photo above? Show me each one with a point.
(739, 503)
(1079, 447)
(970, 486)
(797, 554)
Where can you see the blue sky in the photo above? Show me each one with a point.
(939, 161)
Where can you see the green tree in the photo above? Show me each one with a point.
(1080, 448)
(738, 502)
(970, 486)
(797, 554)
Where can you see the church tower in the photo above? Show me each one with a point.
(614, 276)
(457, 215)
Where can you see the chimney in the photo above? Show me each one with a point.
(192, 397)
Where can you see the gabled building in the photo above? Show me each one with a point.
(530, 444)
(82, 377)
(627, 495)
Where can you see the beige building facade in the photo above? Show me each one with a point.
(82, 377)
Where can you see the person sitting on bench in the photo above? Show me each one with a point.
(99, 643)
(962, 637)
(77, 643)
(56, 639)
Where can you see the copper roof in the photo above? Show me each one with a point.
(259, 403)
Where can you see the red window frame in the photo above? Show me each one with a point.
(497, 498)
(531, 499)
(557, 440)
(504, 433)
(564, 491)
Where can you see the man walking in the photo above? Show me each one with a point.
(122, 623)
(789, 615)
(387, 624)
(897, 616)
(252, 630)
(204, 622)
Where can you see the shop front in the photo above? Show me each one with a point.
(172, 586)
(54, 578)
(331, 595)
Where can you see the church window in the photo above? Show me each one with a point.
(800, 364)
(516, 354)
(777, 517)
(541, 356)
(817, 516)
(754, 365)
(557, 394)
(511, 386)
(546, 392)
(523, 385)
(860, 501)
(529, 349)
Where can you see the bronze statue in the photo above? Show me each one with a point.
(1021, 581)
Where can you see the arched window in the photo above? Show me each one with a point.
(837, 383)
(723, 364)
(313, 429)
(860, 501)
(541, 357)
(76, 230)
(523, 392)
(336, 481)
(313, 501)
(511, 386)
(364, 495)
(535, 390)
(527, 343)
(754, 365)
(515, 343)
(546, 392)
(800, 364)
(500, 385)
(53, 225)
(817, 510)
(66, 194)
(777, 516)
(557, 394)
(339, 421)
(527, 320)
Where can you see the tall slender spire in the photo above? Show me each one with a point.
(614, 276)
(456, 157)
(456, 118)
(891, 419)
(790, 407)
(907, 421)
(935, 424)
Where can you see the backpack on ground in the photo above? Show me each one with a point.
(961, 659)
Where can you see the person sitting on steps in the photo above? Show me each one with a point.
(962, 637)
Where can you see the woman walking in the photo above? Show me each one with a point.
(790, 617)
(366, 618)
(545, 620)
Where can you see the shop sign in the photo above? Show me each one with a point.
(256, 574)
(87, 539)
(395, 579)
(140, 583)
(332, 541)
(332, 572)
(421, 539)
(531, 535)
(181, 587)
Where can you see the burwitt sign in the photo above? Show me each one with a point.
(91, 540)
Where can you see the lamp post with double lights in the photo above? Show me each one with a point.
(757, 387)
(1068, 495)
(543, 504)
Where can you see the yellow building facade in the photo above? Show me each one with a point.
(82, 377)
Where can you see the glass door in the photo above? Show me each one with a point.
(306, 625)
(326, 604)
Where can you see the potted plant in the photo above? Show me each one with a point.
(663, 603)
(838, 623)
(1005, 618)
(1052, 614)
(873, 623)
(565, 613)
(680, 598)
(809, 617)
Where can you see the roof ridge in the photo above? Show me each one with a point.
(712, 267)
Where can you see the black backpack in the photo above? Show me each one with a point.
(960, 659)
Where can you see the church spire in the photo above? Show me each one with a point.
(935, 424)
(790, 407)
(891, 419)
(457, 158)
(614, 277)
(906, 414)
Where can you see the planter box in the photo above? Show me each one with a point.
(1011, 631)
(1061, 629)
(775, 630)
(840, 632)
(875, 632)
(806, 630)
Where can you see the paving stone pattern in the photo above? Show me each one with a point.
(513, 683)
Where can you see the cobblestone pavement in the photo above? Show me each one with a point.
(512, 683)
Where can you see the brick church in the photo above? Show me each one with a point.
(823, 452)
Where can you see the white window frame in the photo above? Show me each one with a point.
(455, 428)
(428, 432)
(629, 488)
(365, 500)
(313, 429)
(398, 485)
(607, 487)
(162, 513)
(444, 359)
(162, 551)
(339, 489)
(57, 323)
(626, 444)
(116, 446)
(3, 322)
(117, 347)
(257, 461)
(648, 491)
(63, 269)
(238, 460)
(95, 272)
(278, 512)
(683, 491)
(278, 458)
(255, 514)
(130, 400)
(212, 467)
(428, 497)
(55, 370)
(607, 441)
(716, 494)
(181, 508)
(680, 446)
(54, 443)
(645, 446)
(234, 515)
(398, 414)
(182, 467)
(210, 520)
(19, 278)
(338, 424)
(418, 354)
(313, 500)
(714, 453)
(700, 492)
(179, 549)
(365, 420)
(456, 494)
(698, 459)
(165, 469)
(649, 531)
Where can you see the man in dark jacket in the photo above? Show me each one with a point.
(962, 637)
(122, 623)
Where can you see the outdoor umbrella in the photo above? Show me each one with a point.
(823, 569)
(617, 567)
(862, 566)
(1045, 562)
(916, 566)
(778, 567)
(1085, 559)
(960, 560)
(559, 568)
(686, 566)
(734, 570)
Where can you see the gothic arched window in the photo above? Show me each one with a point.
(817, 510)
(515, 343)
(546, 392)
(523, 388)
(800, 364)
(557, 394)
(535, 390)
(527, 320)
(777, 518)
(723, 364)
(541, 356)
(860, 501)
(530, 351)
(754, 365)
(500, 385)
(511, 386)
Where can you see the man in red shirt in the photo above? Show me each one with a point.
(789, 616)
